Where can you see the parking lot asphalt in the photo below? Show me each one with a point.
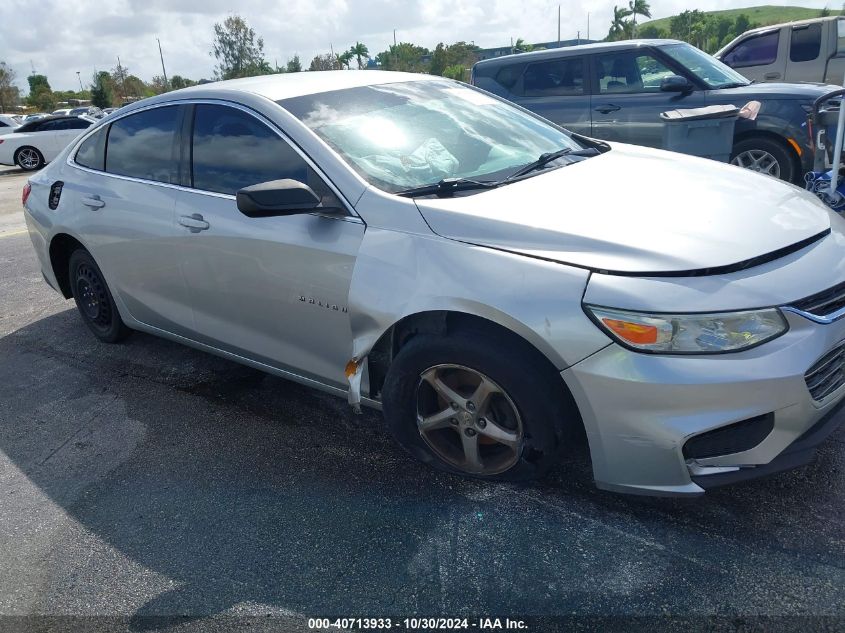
(148, 479)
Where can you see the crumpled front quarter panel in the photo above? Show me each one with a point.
(398, 274)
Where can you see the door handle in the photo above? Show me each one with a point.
(193, 222)
(94, 202)
(768, 76)
(607, 109)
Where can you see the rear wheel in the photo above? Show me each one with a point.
(94, 300)
(473, 404)
(765, 156)
(29, 159)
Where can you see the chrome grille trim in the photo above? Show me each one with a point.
(823, 307)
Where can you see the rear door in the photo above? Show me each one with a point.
(558, 89)
(760, 57)
(804, 60)
(124, 198)
(627, 100)
(272, 289)
(64, 133)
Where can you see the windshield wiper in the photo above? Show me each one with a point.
(548, 157)
(447, 187)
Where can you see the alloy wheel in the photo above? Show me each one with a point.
(468, 420)
(758, 160)
(28, 158)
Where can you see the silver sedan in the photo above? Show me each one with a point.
(504, 290)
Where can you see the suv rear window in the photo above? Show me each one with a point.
(143, 145)
(556, 77)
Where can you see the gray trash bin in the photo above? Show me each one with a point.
(707, 132)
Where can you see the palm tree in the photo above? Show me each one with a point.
(618, 27)
(360, 51)
(344, 59)
(521, 46)
(638, 7)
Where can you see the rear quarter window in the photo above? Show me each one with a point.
(92, 151)
(806, 43)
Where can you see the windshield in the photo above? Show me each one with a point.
(404, 135)
(709, 69)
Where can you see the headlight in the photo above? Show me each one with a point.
(690, 333)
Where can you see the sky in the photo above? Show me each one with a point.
(62, 37)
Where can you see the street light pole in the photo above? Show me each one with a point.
(81, 89)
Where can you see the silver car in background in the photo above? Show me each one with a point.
(504, 290)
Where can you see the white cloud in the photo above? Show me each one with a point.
(62, 37)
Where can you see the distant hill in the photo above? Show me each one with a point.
(761, 16)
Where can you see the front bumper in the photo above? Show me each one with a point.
(640, 409)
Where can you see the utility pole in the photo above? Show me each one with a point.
(161, 55)
(394, 37)
(558, 26)
(81, 89)
(579, 37)
(588, 25)
(122, 81)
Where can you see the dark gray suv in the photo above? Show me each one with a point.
(616, 91)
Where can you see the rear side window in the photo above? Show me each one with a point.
(806, 43)
(232, 149)
(78, 124)
(759, 50)
(144, 145)
(556, 77)
(92, 152)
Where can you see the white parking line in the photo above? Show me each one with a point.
(2, 235)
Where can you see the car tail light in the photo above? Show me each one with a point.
(1, 141)
(27, 189)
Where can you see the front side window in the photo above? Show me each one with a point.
(806, 43)
(407, 134)
(144, 145)
(630, 71)
(558, 77)
(92, 151)
(759, 50)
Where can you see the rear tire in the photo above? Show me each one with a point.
(94, 299)
(516, 433)
(29, 158)
(765, 155)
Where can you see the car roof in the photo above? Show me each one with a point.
(567, 51)
(288, 85)
(773, 27)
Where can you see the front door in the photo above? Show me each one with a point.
(271, 289)
(627, 100)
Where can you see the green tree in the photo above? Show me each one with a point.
(360, 52)
(638, 7)
(456, 72)
(619, 27)
(521, 46)
(405, 57)
(9, 92)
(177, 82)
(824, 13)
(345, 58)
(327, 61)
(457, 54)
(742, 24)
(294, 65)
(40, 93)
(651, 32)
(102, 90)
(238, 51)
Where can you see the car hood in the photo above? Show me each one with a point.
(804, 91)
(635, 210)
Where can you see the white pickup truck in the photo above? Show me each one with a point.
(808, 50)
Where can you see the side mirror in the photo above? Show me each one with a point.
(675, 83)
(277, 197)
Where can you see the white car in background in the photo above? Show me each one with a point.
(61, 112)
(34, 144)
(8, 123)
